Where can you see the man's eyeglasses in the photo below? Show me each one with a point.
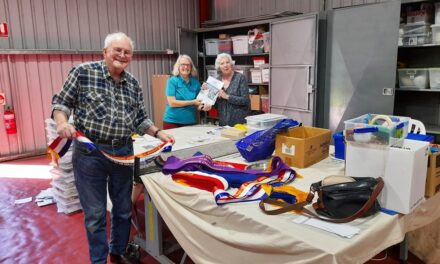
(120, 51)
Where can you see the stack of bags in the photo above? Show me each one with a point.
(63, 181)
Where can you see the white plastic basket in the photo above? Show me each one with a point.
(240, 44)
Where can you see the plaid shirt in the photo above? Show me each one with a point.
(103, 109)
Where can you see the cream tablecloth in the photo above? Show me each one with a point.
(242, 233)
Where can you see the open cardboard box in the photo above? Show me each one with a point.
(303, 146)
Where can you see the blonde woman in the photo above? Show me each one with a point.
(182, 89)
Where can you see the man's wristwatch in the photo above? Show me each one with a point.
(157, 132)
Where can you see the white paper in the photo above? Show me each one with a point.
(209, 96)
(24, 200)
(343, 230)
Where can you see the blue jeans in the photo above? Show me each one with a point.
(93, 172)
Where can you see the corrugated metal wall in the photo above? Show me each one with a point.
(232, 9)
(30, 80)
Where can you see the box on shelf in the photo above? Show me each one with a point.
(211, 71)
(265, 103)
(417, 28)
(423, 15)
(435, 33)
(376, 129)
(433, 174)
(256, 75)
(403, 169)
(263, 121)
(417, 39)
(265, 73)
(240, 44)
(225, 46)
(266, 39)
(211, 46)
(243, 69)
(303, 146)
(413, 78)
(255, 102)
(434, 78)
(258, 61)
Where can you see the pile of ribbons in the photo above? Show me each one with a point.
(204, 173)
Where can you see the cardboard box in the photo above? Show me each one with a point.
(403, 169)
(433, 174)
(159, 85)
(255, 102)
(303, 146)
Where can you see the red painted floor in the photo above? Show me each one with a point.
(32, 234)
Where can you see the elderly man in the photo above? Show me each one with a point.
(108, 107)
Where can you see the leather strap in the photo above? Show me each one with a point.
(285, 207)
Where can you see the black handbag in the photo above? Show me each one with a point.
(340, 202)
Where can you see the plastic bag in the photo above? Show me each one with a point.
(261, 144)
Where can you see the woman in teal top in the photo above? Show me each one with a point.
(182, 89)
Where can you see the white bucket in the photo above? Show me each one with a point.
(437, 13)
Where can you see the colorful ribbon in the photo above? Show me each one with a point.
(60, 146)
(204, 173)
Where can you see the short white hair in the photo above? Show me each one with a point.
(220, 57)
(110, 38)
(178, 62)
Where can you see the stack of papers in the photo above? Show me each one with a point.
(343, 230)
(209, 96)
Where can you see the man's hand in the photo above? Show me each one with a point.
(66, 130)
(165, 137)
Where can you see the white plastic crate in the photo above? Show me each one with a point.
(263, 121)
(240, 44)
(373, 129)
(211, 46)
(413, 78)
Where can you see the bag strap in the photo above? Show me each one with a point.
(285, 207)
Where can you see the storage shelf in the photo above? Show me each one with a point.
(240, 55)
(432, 129)
(417, 90)
(420, 46)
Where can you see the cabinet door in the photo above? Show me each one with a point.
(360, 66)
(187, 43)
(293, 59)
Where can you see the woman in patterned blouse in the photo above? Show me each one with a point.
(233, 103)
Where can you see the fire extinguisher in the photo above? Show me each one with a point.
(10, 124)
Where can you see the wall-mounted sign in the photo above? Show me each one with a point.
(3, 30)
(2, 99)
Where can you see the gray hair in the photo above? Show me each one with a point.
(110, 38)
(178, 62)
(220, 57)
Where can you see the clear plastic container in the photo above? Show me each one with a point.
(377, 129)
(413, 78)
(435, 33)
(225, 46)
(243, 69)
(211, 71)
(263, 121)
(211, 46)
(414, 29)
(434, 78)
